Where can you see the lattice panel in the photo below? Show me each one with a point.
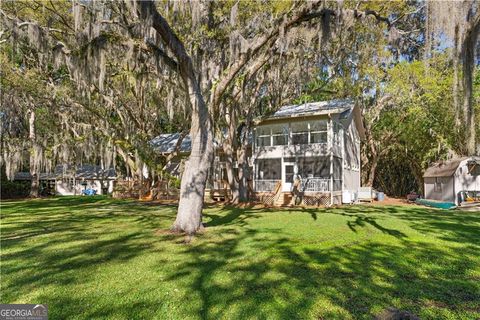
(317, 200)
(265, 198)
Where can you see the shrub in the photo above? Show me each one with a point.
(14, 189)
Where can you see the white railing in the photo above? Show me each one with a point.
(315, 185)
(220, 184)
(265, 185)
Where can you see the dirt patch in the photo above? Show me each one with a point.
(392, 202)
(161, 232)
(395, 314)
(388, 201)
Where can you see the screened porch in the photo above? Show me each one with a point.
(314, 174)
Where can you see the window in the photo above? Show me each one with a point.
(437, 187)
(299, 132)
(319, 132)
(280, 135)
(263, 136)
(473, 168)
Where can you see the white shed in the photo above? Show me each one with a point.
(451, 181)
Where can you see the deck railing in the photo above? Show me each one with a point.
(315, 185)
(265, 185)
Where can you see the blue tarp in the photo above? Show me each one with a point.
(89, 192)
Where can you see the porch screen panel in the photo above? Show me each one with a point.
(318, 131)
(280, 135)
(336, 133)
(318, 167)
(263, 136)
(299, 132)
(337, 174)
(269, 169)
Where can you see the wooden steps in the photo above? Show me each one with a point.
(284, 199)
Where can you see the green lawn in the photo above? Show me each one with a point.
(92, 258)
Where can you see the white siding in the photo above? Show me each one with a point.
(351, 180)
(64, 188)
(351, 154)
(465, 181)
(445, 193)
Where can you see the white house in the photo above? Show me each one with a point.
(72, 180)
(308, 153)
(453, 180)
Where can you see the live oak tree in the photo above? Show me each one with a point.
(103, 113)
(136, 69)
(255, 47)
(209, 79)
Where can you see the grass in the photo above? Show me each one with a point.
(93, 257)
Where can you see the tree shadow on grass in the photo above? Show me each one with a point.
(284, 281)
(232, 216)
(75, 215)
(238, 270)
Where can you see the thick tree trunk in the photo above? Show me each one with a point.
(229, 149)
(232, 181)
(418, 174)
(468, 113)
(192, 190)
(373, 158)
(194, 177)
(33, 156)
(372, 171)
(468, 57)
(242, 173)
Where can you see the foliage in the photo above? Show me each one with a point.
(15, 189)
(414, 128)
(95, 75)
(342, 263)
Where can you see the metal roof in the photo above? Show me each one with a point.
(89, 172)
(314, 108)
(94, 172)
(165, 143)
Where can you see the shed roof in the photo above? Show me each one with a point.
(443, 168)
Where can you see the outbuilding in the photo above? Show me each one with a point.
(456, 180)
(71, 180)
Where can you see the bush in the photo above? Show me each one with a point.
(14, 189)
